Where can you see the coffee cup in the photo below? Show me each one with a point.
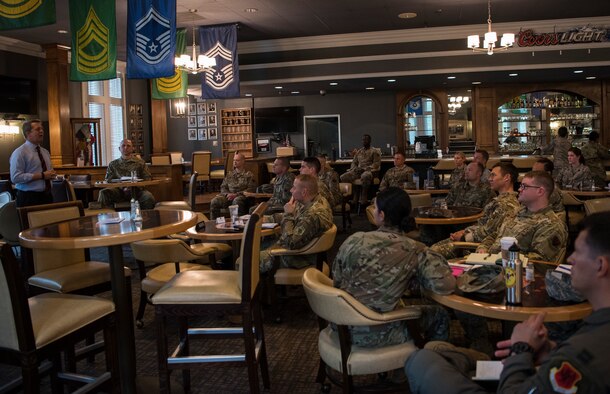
(505, 244)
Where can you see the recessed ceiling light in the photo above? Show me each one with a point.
(279, 87)
(513, 74)
(407, 15)
(251, 10)
(370, 88)
(451, 77)
(62, 31)
(391, 80)
(334, 83)
(591, 77)
(248, 94)
(578, 71)
(468, 90)
(476, 83)
(295, 92)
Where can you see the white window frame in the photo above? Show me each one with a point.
(109, 151)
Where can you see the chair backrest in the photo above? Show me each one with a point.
(175, 157)
(192, 190)
(345, 188)
(597, 205)
(200, 161)
(444, 165)
(156, 251)
(568, 199)
(5, 197)
(160, 159)
(229, 161)
(321, 244)
(42, 215)
(524, 163)
(336, 305)
(249, 274)
(80, 178)
(62, 191)
(9, 223)
(420, 200)
(270, 168)
(16, 324)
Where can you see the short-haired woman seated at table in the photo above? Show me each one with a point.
(378, 267)
(576, 174)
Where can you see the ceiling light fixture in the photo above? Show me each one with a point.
(513, 74)
(451, 77)
(391, 80)
(279, 87)
(507, 41)
(578, 71)
(591, 78)
(407, 15)
(455, 103)
(251, 10)
(188, 63)
(295, 92)
(476, 83)
(334, 83)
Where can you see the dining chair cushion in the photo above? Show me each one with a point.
(339, 208)
(69, 278)
(57, 315)
(200, 287)
(157, 277)
(217, 174)
(362, 361)
(173, 205)
(221, 250)
(293, 276)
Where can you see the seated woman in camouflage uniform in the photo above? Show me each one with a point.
(379, 267)
(576, 174)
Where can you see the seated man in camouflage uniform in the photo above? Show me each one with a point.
(555, 199)
(595, 154)
(399, 175)
(123, 166)
(330, 178)
(233, 187)
(379, 267)
(306, 216)
(367, 161)
(471, 191)
(501, 209)
(481, 156)
(311, 166)
(280, 185)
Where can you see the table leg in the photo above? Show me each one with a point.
(124, 322)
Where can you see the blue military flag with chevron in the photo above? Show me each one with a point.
(222, 80)
(151, 38)
(93, 25)
(22, 14)
(176, 85)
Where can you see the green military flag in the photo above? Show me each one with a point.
(176, 85)
(93, 25)
(21, 14)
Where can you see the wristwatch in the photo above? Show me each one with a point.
(520, 347)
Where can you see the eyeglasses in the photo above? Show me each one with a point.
(523, 186)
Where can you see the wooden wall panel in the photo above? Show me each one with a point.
(60, 133)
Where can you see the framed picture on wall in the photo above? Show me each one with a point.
(192, 134)
(212, 108)
(139, 109)
(201, 108)
(192, 109)
(211, 120)
(192, 120)
(132, 109)
(202, 135)
(213, 134)
(201, 121)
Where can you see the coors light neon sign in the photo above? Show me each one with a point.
(527, 38)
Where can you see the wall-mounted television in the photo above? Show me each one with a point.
(17, 95)
(278, 120)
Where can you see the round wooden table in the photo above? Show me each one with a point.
(534, 300)
(99, 230)
(451, 215)
(589, 194)
(433, 192)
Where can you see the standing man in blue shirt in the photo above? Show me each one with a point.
(31, 169)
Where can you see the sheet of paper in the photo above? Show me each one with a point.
(482, 258)
(488, 370)
(269, 225)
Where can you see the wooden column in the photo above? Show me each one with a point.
(158, 125)
(60, 133)
(485, 118)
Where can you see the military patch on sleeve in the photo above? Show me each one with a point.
(565, 378)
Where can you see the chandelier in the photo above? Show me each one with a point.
(507, 41)
(194, 64)
(455, 103)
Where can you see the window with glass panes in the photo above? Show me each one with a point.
(421, 123)
(104, 100)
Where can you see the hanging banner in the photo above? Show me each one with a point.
(220, 42)
(26, 13)
(176, 85)
(151, 38)
(415, 107)
(93, 26)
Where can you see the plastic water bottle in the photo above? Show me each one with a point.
(513, 275)
(132, 209)
(430, 178)
(416, 180)
(138, 215)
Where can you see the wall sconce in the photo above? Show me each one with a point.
(178, 107)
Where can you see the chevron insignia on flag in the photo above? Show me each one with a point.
(222, 75)
(170, 84)
(18, 9)
(92, 45)
(153, 37)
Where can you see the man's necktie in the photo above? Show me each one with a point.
(47, 183)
